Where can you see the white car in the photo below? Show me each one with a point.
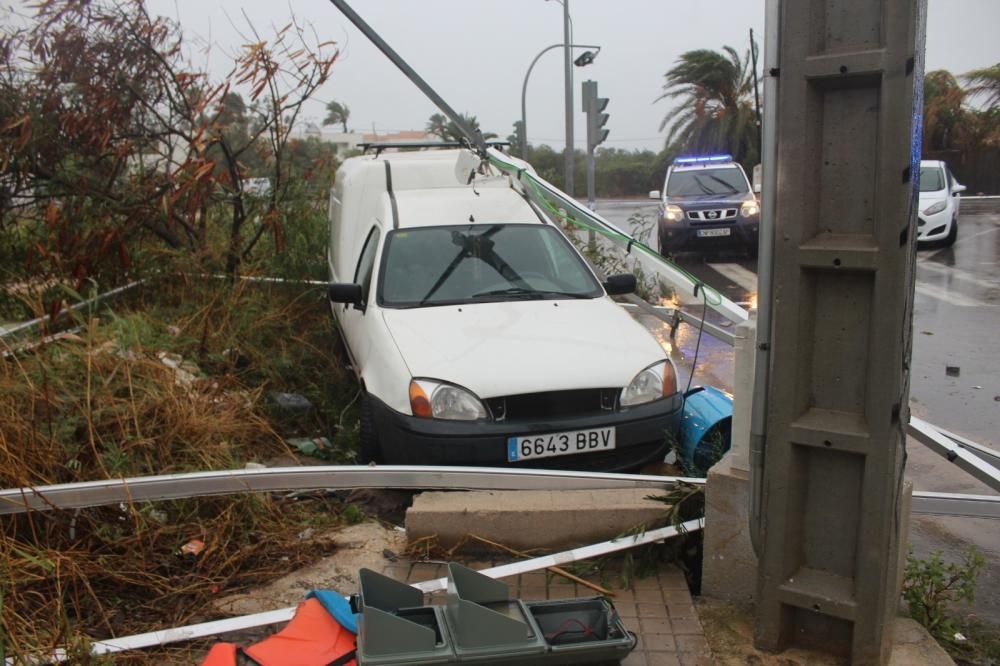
(937, 218)
(479, 334)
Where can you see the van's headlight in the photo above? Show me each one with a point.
(936, 208)
(438, 400)
(749, 208)
(672, 213)
(657, 381)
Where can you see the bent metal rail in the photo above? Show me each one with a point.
(72, 496)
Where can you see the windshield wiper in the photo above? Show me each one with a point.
(519, 292)
(565, 294)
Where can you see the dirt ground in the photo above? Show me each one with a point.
(358, 546)
(729, 630)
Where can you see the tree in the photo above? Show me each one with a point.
(109, 135)
(517, 139)
(447, 130)
(944, 116)
(337, 113)
(716, 111)
(985, 82)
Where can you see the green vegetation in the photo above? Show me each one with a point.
(962, 125)
(932, 586)
(716, 112)
(119, 161)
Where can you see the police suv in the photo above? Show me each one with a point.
(706, 203)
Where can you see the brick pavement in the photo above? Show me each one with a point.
(657, 608)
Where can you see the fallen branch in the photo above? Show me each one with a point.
(556, 570)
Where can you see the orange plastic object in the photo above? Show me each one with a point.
(312, 638)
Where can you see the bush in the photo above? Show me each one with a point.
(931, 585)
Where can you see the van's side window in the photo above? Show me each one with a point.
(363, 274)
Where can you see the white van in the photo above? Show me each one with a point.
(479, 334)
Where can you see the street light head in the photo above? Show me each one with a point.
(585, 59)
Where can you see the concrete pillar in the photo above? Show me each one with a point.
(729, 566)
(745, 356)
(838, 387)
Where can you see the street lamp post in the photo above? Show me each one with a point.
(583, 60)
(568, 79)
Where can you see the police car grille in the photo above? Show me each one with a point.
(552, 404)
(712, 215)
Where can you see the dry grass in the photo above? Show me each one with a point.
(109, 403)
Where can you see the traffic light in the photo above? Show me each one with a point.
(594, 107)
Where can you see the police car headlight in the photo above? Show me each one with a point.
(749, 208)
(657, 381)
(438, 400)
(673, 213)
(936, 208)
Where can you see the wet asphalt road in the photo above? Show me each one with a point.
(956, 324)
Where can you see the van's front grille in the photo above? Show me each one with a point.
(553, 404)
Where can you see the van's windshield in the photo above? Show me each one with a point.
(701, 182)
(480, 263)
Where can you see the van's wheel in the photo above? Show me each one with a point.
(369, 449)
(952, 234)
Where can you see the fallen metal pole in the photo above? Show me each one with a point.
(932, 437)
(474, 136)
(177, 634)
(956, 504)
(989, 455)
(303, 479)
(24, 326)
(327, 477)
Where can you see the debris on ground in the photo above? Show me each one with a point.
(358, 546)
(290, 403)
(318, 447)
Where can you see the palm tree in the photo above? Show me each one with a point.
(337, 113)
(985, 81)
(716, 111)
(943, 112)
(447, 130)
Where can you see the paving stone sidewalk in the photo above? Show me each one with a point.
(657, 608)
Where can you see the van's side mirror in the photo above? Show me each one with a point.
(620, 284)
(344, 292)
(654, 194)
(956, 188)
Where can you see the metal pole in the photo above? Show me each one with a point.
(524, 92)
(756, 95)
(568, 76)
(475, 137)
(765, 254)
(591, 196)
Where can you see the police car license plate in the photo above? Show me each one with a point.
(704, 233)
(532, 447)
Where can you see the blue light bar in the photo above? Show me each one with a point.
(703, 159)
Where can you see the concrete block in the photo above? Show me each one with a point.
(729, 565)
(912, 644)
(533, 519)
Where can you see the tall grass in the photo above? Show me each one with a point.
(175, 381)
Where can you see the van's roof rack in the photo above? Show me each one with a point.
(379, 146)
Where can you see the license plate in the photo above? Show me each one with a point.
(531, 447)
(705, 233)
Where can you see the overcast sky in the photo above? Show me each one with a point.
(475, 54)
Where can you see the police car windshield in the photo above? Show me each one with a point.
(481, 263)
(701, 182)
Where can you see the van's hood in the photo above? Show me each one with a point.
(513, 347)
